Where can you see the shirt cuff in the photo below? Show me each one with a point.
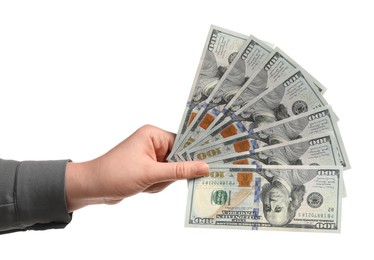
(40, 194)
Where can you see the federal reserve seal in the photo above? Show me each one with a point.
(314, 200)
(299, 107)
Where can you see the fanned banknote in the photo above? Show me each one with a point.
(285, 198)
(220, 49)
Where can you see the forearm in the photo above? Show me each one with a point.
(82, 187)
(32, 195)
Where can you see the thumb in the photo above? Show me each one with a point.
(182, 170)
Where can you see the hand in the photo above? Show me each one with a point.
(138, 164)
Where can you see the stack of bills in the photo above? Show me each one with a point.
(272, 141)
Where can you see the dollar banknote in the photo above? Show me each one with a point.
(313, 122)
(246, 64)
(282, 198)
(219, 50)
(295, 95)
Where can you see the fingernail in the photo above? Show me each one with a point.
(201, 169)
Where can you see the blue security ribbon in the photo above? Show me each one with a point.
(257, 191)
(241, 126)
(254, 144)
(215, 111)
(258, 166)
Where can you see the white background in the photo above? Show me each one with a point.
(77, 77)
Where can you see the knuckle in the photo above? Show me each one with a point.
(148, 127)
(181, 171)
(145, 129)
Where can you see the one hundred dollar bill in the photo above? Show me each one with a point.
(219, 50)
(306, 124)
(285, 198)
(319, 149)
(295, 95)
(245, 65)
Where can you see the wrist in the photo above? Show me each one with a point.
(81, 186)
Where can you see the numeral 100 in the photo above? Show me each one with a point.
(320, 225)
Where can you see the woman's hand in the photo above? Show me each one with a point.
(138, 164)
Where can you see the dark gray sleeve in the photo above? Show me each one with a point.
(32, 195)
